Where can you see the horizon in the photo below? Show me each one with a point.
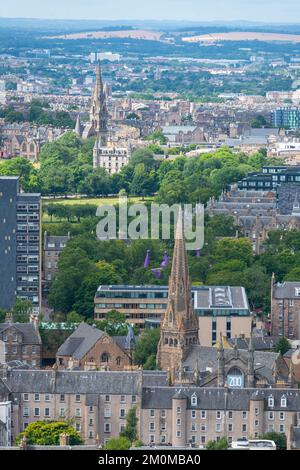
(268, 11)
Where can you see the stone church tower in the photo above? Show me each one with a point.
(98, 113)
(179, 327)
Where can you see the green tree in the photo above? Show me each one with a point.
(118, 443)
(22, 310)
(278, 438)
(282, 346)
(130, 431)
(146, 348)
(48, 432)
(222, 444)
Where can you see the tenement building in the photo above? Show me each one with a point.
(20, 245)
(22, 342)
(285, 309)
(53, 246)
(98, 402)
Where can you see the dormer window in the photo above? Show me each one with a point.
(297, 291)
(283, 401)
(271, 401)
(194, 400)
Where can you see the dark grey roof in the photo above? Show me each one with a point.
(179, 395)
(70, 382)
(286, 290)
(80, 342)
(207, 357)
(220, 398)
(4, 390)
(259, 343)
(28, 330)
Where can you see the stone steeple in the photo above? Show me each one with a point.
(179, 327)
(78, 126)
(98, 111)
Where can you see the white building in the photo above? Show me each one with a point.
(5, 424)
(111, 158)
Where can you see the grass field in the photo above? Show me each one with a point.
(93, 201)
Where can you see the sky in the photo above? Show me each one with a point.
(198, 10)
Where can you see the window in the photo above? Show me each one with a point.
(163, 426)
(281, 428)
(47, 412)
(178, 422)
(151, 439)
(244, 427)
(178, 410)
(78, 427)
(163, 439)
(91, 422)
(122, 413)
(91, 434)
(77, 398)
(194, 400)
(193, 414)
(25, 397)
(193, 427)
(123, 399)
(203, 414)
(270, 427)
(245, 415)
(36, 412)
(218, 414)
(163, 413)
(133, 398)
(47, 397)
(229, 414)
(203, 427)
(203, 439)
(91, 409)
(105, 357)
(62, 398)
(230, 427)
(270, 415)
(283, 401)
(107, 398)
(78, 412)
(26, 411)
(152, 413)
(282, 415)
(218, 427)
(256, 423)
(271, 401)
(62, 412)
(107, 412)
(151, 426)
(106, 427)
(178, 433)
(36, 397)
(256, 411)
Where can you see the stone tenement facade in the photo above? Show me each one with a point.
(285, 309)
(99, 401)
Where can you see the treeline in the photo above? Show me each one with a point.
(66, 168)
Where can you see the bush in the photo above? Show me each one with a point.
(118, 443)
(48, 432)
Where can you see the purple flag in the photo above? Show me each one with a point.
(165, 260)
(147, 259)
(198, 253)
(156, 272)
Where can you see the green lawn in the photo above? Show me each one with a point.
(96, 201)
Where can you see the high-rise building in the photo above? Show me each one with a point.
(286, 117)
(20, 245)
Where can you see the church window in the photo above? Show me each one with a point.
(104, 357)
(118, 360)
(175, 343)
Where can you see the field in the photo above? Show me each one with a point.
(92, 201)
(244, 36)
(134, 34)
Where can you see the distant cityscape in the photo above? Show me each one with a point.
(125, 344)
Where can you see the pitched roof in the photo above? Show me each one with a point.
(28, 330)
(80, 342)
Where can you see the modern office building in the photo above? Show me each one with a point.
(20, 245)
(286, 117)
(219, 309)
(270, 178)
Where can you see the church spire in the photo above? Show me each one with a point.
(179, 327)
(98, 112)
(78, 126)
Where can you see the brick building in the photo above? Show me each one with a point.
(285, 309)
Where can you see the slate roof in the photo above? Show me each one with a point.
(4, 390)
(30, 334)
(259, 343)
(286, 290)
(70, 382)
(79, 343)
(207, 356)
(219, 398)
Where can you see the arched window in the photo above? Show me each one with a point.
(175, 343)
(31, 148)
(194, 400)
(170, 342)
(166, 340)
(104, 357)
(283, 401)
(91, 359)
(118, 360)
